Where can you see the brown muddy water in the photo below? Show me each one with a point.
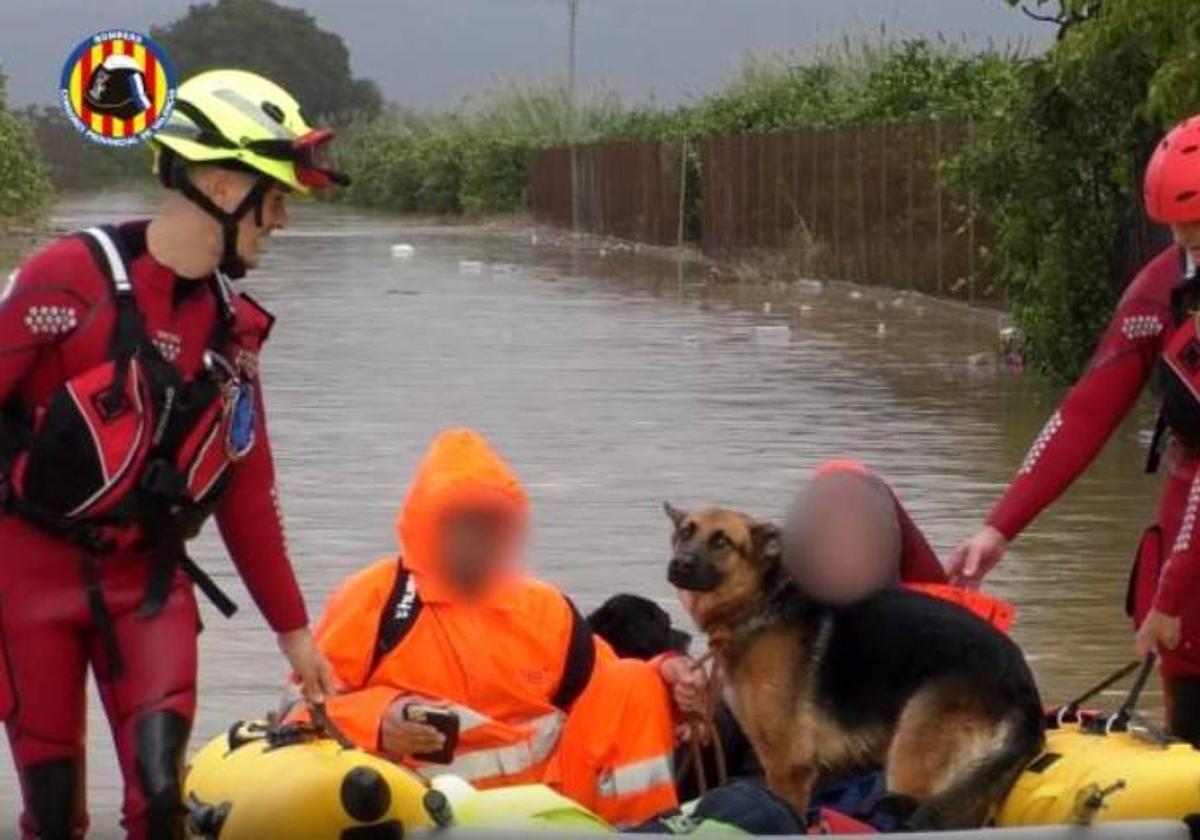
(613, 380)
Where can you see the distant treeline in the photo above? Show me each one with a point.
(280, 42)
(476, 158)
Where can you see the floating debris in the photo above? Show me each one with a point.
(773, 335)
(805, 308)
(767, 307)
(533, 239)
(881, 330)
(856, 295)
(470, 267)
(403, 251)
(980, 362)
(812, 287)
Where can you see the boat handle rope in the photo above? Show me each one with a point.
(1127, 717)
(325, 724)
(1070, 712)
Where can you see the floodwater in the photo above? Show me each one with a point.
(613, 380)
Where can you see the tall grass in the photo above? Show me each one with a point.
(475, 157)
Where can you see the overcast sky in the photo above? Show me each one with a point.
(430, 52)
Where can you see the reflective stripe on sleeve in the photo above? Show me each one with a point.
(638, 777)
(509, 760)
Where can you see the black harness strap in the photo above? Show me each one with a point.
(1184, 299)
(580, 662)
(173, 174)
(172, 518)
(1158, 443)
(160, 505)
(400, 613)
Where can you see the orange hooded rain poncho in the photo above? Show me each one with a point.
(539, 699)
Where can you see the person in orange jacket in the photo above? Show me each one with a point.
(454, 623)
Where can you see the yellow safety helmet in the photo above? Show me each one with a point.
(239, 119)
(238, 116)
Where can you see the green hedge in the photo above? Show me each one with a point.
(1058, 167)
(475, 159)
(25, 189)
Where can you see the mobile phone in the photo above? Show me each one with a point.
(444, 721)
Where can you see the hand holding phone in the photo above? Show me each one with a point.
(442, 721)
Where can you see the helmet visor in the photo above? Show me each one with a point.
(311, 156)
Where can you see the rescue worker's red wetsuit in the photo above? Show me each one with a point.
(56, 318)
(1125, 360)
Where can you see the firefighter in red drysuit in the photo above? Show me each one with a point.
(1151, 336)
(109, 590)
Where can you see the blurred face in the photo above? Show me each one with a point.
(842, 542)
(1188, 237)
(479, 546)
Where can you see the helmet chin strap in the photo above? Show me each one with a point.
(231, 264)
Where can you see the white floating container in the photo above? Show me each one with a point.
(403, 251)
(773, 335)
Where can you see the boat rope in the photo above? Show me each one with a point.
(1070, 712)
(701, 726)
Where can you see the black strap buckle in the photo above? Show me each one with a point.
(161, 478)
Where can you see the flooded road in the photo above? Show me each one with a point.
(613, 381)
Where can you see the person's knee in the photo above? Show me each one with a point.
(161, 741)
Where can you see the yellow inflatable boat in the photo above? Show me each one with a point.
(290, 782)
(1087, 774)
(293, 781)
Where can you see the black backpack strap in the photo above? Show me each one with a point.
(109, 253)
(1158, 443)
(129, 335)
(1185, 297)
(222, 332)
(580, 662)
(399, 615)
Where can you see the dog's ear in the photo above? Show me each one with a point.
(674, 514)
(768, 543)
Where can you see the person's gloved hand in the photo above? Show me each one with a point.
(687, 683)
(400, 738)
(310, 668)
(972, 560)
(1159, 631)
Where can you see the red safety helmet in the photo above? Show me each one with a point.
(1172, 186)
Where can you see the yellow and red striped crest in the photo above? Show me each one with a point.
(118, 87)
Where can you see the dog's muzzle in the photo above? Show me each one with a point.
(688, 571)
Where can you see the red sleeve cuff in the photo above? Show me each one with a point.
(285, 618)
(1007, 521)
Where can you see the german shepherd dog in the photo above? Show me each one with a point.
(936, 696)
